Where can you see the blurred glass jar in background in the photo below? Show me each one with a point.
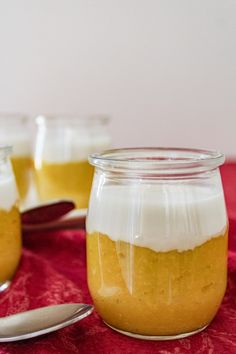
(10, 224)
(62, 146)
(14, 131)
(157, 240)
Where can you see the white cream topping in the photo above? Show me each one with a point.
(20, 143)
(162, 217)
(8, 193)
(69, 147)
(76, 150)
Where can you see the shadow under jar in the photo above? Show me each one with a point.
(63, 144)
(157, 240)
(10, 224)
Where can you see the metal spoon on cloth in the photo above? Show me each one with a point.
(44, 320)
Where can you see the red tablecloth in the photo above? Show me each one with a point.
(53, 270)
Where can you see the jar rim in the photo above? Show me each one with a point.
(72, 119)
(158, 160)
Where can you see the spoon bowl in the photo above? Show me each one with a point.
(40, 321)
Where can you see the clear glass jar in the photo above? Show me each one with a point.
(63, 144)
(157, 240)
(14, 131)
(10, 225)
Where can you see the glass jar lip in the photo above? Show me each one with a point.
(5, 151)
(72, 119)
(158, 160)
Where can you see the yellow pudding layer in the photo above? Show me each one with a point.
(10, 243)
(138, 290)
(70, 180)
(21, 167)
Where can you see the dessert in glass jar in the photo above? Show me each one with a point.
(63, 144)
(10, 224)
(157, 240)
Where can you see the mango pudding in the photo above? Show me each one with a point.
(157, 257)
(69, 180)
(10, 228)
(61, 163)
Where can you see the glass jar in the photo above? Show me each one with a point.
(157, 240)
(14, 131)
(63, 144)
(10, 225)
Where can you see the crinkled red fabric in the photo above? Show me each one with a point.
(53, 270)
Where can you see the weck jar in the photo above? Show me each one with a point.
(157, 240)
(10, 223)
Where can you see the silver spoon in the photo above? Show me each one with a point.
(44, 320)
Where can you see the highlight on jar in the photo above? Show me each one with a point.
(157, 240)
(14, 131)
(61, 166)
(10, 224)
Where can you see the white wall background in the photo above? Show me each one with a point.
(164, 69)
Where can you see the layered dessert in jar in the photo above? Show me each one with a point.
(61, 163)
(157, 253)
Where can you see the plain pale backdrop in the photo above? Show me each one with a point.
(164, 69)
